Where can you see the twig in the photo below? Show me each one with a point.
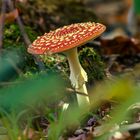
(112, 58)
(74, 91)
(26, 38)
(132, 127)
(9, 83)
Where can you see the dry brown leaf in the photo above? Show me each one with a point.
(120, 45)
(10, 17)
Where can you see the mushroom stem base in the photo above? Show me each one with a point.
(78, 76)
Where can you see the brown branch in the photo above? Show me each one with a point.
(26, 38)
(76, 92)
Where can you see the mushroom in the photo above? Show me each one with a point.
(66, 40)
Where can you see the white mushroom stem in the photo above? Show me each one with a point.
(78, 76)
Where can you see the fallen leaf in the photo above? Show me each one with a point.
(120, 45)
(10, 17)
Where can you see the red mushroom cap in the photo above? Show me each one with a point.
(66, 38)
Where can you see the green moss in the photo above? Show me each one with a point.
(89, 59)
(92, 63)
(13, 37)
(13, 42)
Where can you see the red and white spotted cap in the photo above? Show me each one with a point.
(65, 38)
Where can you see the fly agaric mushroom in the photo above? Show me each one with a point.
(66, 40)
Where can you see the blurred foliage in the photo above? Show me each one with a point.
(45, 90)
(40, 86)
(136, 6)
(9, 61)
(29, 98)
(103, 91)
